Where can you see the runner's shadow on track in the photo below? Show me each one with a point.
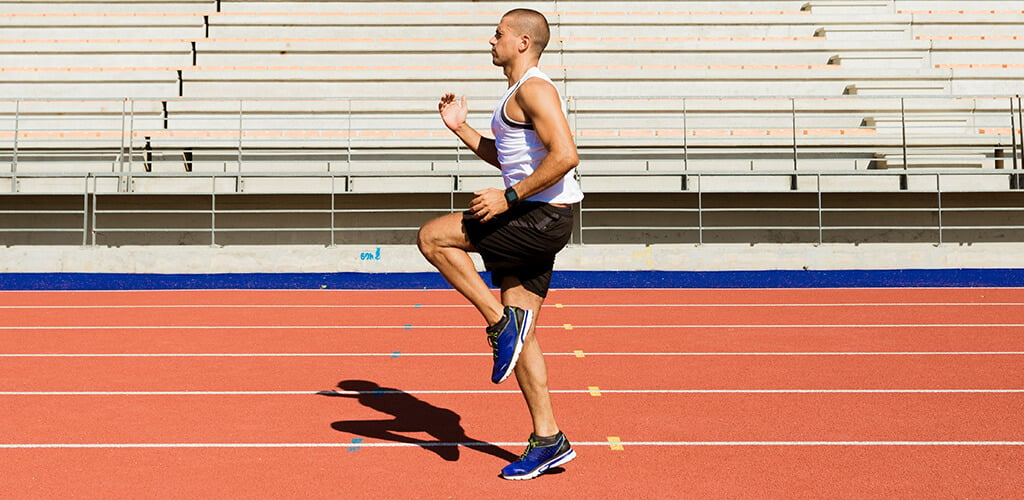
(411, 415)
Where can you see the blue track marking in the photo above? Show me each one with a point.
(889, 278)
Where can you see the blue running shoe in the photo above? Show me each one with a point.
(506, 339)
(538, 459)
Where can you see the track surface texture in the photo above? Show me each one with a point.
(665, 393)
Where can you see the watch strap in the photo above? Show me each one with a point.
(511, 197)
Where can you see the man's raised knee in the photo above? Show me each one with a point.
(424, 240)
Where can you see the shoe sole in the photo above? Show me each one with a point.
(527, 321)
(555, 462)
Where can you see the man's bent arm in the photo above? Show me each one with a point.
(482, 146)
(454, 115)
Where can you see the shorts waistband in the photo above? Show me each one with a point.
(529, 205)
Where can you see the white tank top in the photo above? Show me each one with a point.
(520, 151)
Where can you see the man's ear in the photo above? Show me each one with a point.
(525, 43)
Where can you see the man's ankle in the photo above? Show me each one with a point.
(499, 325)
(546, 440)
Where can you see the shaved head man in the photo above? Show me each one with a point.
(532, 24)
(516, 230)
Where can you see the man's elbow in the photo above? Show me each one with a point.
(568, 159)
(574, 159)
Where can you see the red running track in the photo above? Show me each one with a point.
(844, 393)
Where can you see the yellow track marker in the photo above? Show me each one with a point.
(594, 391)
(615, 443)
(559, 306)
(579, 353)
(568, 326)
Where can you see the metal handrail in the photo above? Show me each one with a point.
(92, 214)
(136, 134)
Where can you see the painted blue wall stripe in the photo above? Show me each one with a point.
(561, 279)
(796, 279)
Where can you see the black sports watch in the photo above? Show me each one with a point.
(511, 197)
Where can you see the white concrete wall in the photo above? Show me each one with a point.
(406, 258)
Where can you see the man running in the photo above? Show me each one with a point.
(519, 230)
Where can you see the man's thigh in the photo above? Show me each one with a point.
(446, 231)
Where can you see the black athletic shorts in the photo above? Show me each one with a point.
(521, 242)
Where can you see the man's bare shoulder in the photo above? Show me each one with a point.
(538, 86)
(536, 92)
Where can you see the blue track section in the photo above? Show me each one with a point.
(561, 279)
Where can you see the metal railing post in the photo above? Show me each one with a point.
(348, 142)
(333, 208)
(580, 221)
(458, 155)
(793, 109)
(124, 125)
(573, 108)
(131, 135)
(903, 126)
(453, 186)
(241, 103)
(573, 116)
(1020, 122)
(821, 217)
(85, 210)
(938, 195)
(1013, 135)
(95, 208)
(213, 211)
(686, 150)
(17, 130)
(700, 209)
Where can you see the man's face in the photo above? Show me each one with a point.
(504, 44)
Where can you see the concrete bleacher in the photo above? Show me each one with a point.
(246, 42)
(237, 85)
(140, 121)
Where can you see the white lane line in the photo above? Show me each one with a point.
(477, 327)
(468, 306)
(795, 304)
(858, 325)
(253, 355)
(810, 443)
(831, 353)
(249, 306)
(226, 327)
(361, 445)
(501, 392)
(396, 354)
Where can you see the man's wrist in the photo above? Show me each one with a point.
(511, 197)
